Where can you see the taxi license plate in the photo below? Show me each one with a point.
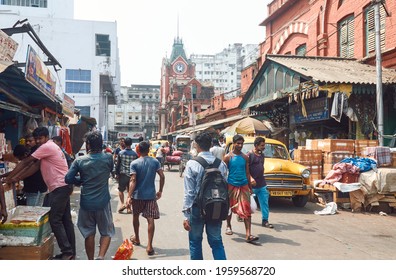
(281, 193)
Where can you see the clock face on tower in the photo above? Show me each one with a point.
(179, 67)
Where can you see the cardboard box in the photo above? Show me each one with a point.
(311, 144)
(327, 167)
(307, 157)
(361, 144)
(335, 157)
(393, 156)
(337, 145)
(44, 251)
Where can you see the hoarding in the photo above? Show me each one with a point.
(8, 47)
(38, 74)
(68, 106)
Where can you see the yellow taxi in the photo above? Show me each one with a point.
(284, 177)
(154, 145)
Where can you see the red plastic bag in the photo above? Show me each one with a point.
(124, 252)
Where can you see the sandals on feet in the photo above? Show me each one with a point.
(251, 239)
(134, 241)
(122, 208)
(228, 231)
(150, 252)
(267, 224)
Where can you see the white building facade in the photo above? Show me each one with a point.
(87, 51)
(223, 70)
(137, 113)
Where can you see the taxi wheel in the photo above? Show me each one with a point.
(300, 200)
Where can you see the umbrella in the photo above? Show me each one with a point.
(249, 125)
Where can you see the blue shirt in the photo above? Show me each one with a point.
(94, 176)
(145, 169)
(237, 171)
(193, 177)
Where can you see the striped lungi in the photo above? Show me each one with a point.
(148, 208)
(240, 200)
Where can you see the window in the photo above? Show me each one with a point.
(346, 38)
(72, 87)
(301, 50)
(78, 81)
(194, 91)
(103, 47)
(26, 3)
(369, 26)
(84, 110)
(78, 75)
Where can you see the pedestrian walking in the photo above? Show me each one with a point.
(123, 168)
(239, 187)
(257, 180)
(193, 222)
(95, 210)
(50, 159)
(142, 195)
(216, 150)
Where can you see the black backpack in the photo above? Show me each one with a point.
(212, 199)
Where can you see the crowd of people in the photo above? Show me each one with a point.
(49, 175)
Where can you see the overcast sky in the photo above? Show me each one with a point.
(147, 28)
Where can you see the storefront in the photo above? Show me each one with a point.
(318, 97)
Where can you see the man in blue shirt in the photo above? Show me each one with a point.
(142, 194)
(124, 159)
(193, 222)
(95, 210)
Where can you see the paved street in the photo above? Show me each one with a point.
(299, 234)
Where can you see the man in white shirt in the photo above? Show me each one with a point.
(216, 150)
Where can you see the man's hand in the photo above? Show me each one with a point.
(186, 225)
(129, 201)
(159, 195)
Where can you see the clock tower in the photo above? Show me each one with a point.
(181, 94)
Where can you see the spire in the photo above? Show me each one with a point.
(178, 48)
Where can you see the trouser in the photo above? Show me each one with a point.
(263, 197)
(34, 199)
(60, 219)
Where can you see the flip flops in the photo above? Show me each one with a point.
(133, 240)
(122, 208)
(150, 252)
(229, 231)
(267, 224)
(251, 239)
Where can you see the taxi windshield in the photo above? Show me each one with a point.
(271, 150)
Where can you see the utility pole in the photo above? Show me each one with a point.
(378, 61)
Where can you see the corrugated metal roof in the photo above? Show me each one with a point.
(334, 70)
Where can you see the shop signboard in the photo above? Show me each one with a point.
(68, 106)
(8, 47)
(130, 134)
(38, 74)
(317, 110)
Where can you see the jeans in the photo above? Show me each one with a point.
(263, 196)
(213, 232)
(60, 219)
(34, 199)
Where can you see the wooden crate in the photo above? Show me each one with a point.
(307, 157)
(348, 178)
(311, 144)
(335, 157)
(336, 145)
(41, 252)
(361, 144)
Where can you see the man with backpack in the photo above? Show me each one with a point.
(239, 187)
(259, 186)
(205, 201)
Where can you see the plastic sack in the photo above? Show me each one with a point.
(124, 252)
(253, 204)
(330, 209)
(30, 126)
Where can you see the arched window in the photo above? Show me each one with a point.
(271, 79)
(296, 80)
(288, 80)
(263, 87)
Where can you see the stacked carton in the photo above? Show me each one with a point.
(360, 145)
(312, 159)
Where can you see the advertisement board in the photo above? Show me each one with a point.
(317, 109)
(130, 134)
(68, 106)
(8, 47)
(38, 74)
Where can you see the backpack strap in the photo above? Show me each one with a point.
(205, 164)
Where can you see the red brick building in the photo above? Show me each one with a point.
(334, 28)
(181, 94)
(306, 58)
